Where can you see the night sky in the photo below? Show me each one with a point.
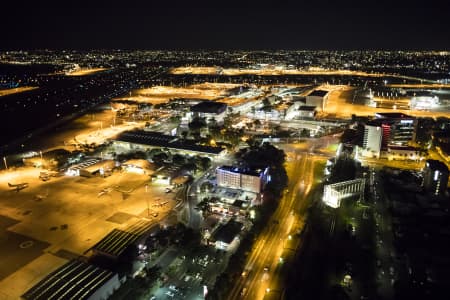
(165, 24)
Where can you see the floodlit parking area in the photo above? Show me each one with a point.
(278, 70)
(91, 128)
(6, 92)
(84, 72)
(162, 94)
(47, 223)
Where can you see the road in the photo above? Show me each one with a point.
(190, 216)
(263, 264)
(398, 164)
(269, 71)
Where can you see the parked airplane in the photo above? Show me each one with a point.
(104, 192)
(160, 204)
(40, 197)
(19, 186)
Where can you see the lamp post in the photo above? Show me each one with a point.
(146, 199)
(4, 160)
(42, 161)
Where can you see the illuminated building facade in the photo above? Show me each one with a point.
(424, 100)
(252, 180)
(372, 140)
(398, 129)
(334, 193)
(388, 129)
(435, 177)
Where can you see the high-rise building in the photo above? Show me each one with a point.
(398, 129)
(388, 129)
(372, 140)
(435, 177)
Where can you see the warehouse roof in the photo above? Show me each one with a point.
(307, 108)
(74, 280)
(383, 115)
(247, 171)
(117, 241)
(157, 139)
(318, 93)
(209, 107)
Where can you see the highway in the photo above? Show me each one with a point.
(263, 270)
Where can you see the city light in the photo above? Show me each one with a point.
(176, 162)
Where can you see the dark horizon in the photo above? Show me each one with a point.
(56, 49)
(228, 26)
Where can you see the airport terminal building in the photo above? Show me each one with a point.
(143, 140)
(75, 280)
(210, 110)
(317, 98)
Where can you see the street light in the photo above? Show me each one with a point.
(146, 198)
(4, 160)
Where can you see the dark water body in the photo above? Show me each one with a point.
(57, 99)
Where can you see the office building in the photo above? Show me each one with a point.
(398, 128)
(388, 130)
(75, 280)
(372, 140)
(247, 179)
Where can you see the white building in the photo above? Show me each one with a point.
(317, 98)
(292, 112)
(307, 112)
(300, 111)
(435, 177)
(372, 141)
(334, 193)
(424, 100)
